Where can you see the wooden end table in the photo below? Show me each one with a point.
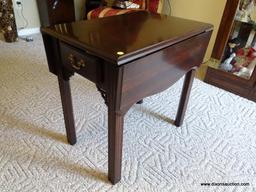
(128, 57)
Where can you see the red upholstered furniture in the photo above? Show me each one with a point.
(154, 6)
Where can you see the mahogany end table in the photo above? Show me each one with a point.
(128, 57)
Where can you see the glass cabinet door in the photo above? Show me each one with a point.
(239, 57)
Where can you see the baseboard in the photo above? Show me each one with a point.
(29, 31)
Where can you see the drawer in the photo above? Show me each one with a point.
(81, 62)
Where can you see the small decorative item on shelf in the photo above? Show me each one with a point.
(226, 65)
(245, 10)
(245, 72)
(7, 21)
(233, 46)
(239, 57)
(245, 62)
(241, 62)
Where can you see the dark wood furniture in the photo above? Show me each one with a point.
(93, 4)
(55, 11)
(225, 80)
(128, 57)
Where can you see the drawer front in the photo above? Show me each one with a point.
(81, 62)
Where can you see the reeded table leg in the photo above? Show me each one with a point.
(67, 110)
(184, 97)
(115, 145)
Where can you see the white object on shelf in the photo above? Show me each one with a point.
(246, 72)
(226, 65)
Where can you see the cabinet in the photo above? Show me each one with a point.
(232, 66)
(55, 11)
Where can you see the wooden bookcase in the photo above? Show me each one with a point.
(245, 87)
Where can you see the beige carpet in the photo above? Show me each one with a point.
(217, 142)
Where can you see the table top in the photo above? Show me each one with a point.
(123, 38)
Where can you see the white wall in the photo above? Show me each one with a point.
(30, 12)
(209, 11)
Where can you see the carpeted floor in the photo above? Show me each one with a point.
(217, 142)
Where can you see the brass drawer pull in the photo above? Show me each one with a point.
(71, 59)
(76, 65)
